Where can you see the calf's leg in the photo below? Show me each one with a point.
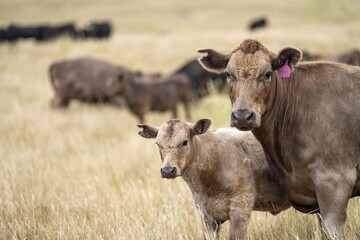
(239, 218)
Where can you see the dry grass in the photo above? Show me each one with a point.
(84, 173)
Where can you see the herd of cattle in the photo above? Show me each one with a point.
(97, 81)
(303, 113)
(45, 32)
(303, 149)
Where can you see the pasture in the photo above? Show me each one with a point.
(84, 173)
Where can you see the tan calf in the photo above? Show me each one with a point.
(225, 169)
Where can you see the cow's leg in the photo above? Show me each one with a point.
(239, 217)
(60, 102)
(174, 110)
(333, 191)
(211, 228)
(141, 118)
(187, 110)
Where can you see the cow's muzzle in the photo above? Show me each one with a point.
(243, 119)
(168, 172)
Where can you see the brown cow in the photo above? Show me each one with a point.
(148, 93)
(84, 79)
(225, 169)
(307, 118)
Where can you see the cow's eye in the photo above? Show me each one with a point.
(268, 74)
(185, 143)
(227, 74)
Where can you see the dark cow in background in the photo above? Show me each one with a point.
(199, 78)
(40, 33)
(306, 116)
(45, 32)
(258, 24)
(148, 93)
(84, 79)
(96, 30)
(350, 57)
(225, 169)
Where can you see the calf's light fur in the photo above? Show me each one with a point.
(225, 169)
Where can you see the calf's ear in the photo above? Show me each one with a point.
(148, 131)
(201, 126)
(290, 56)
(213, 61)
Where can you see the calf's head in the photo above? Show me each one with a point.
(174, 139)
(250, 69)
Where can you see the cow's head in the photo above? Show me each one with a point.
(250, 69)
(174, 139)
(116, 85)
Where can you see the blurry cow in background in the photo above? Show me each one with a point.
(145, 93)
(40, 33)
(85, 79)
(97, 30)
(258, 23)
(350, 57)
(199, 78)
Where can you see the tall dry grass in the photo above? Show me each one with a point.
(84, 173)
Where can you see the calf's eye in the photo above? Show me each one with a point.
(185, 142)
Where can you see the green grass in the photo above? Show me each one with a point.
(84, 173)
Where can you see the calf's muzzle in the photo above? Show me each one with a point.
(243, 119)
(168, 172)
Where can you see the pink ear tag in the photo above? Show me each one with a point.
(285, 70)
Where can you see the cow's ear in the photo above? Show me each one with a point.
(148, 131)
(201, 126)
(290, 56)
(213, 61)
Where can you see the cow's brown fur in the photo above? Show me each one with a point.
(225, 169)
(84, 79)
(308, 125)
(144, 94)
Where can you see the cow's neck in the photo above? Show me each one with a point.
(201, 167)
(278, 120)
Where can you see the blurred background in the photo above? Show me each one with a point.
(83, 172)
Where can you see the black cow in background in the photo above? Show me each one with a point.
(46, 32)
(40, 32)
(258, 23)
(200, 78)
(97, 30)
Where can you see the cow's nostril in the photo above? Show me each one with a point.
(168, 172)
(249, 116)
(234, 116)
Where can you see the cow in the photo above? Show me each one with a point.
(258, 23)
(306, 116)
(84, 79)
(97, 30)
(148, 93)
(225, 169)
(200, 78)
(350, 57)
(15, 32)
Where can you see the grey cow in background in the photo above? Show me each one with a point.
(84, 79)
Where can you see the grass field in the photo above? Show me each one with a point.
(84, 173)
